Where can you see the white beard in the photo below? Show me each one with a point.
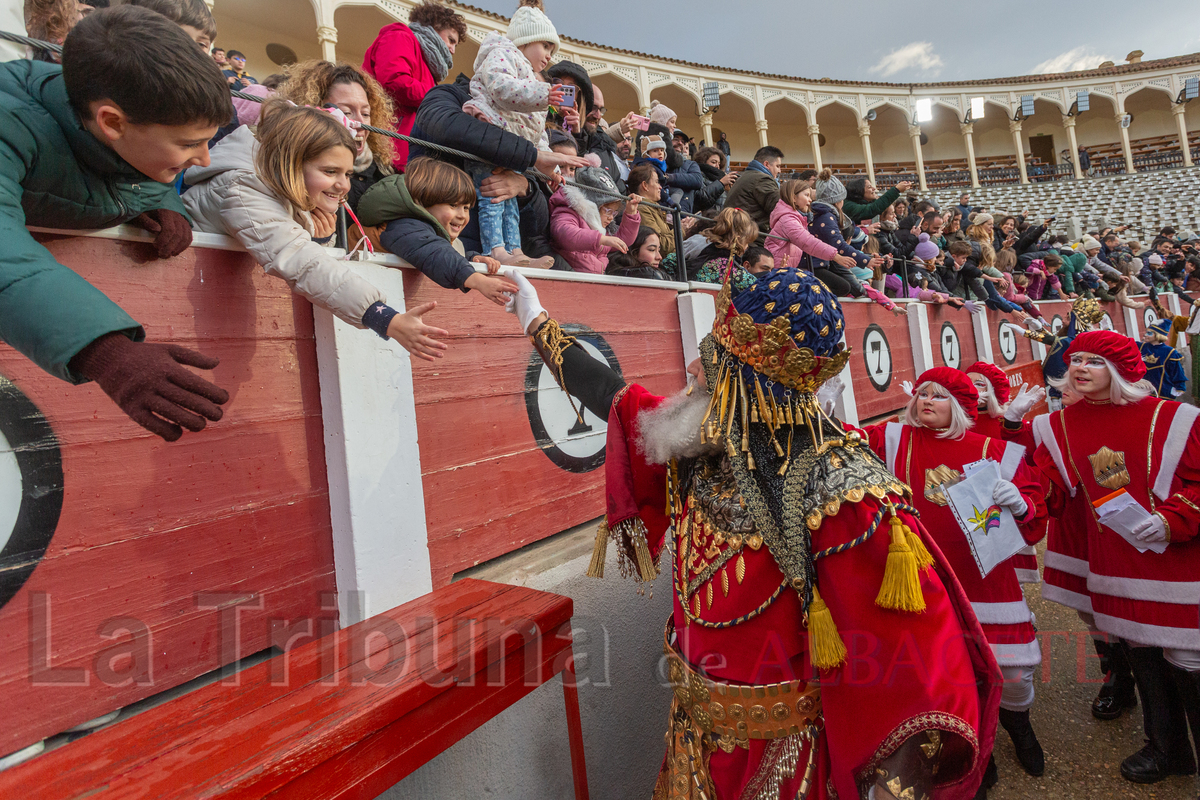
(673, 429)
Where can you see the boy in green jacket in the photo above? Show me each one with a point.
(97, 142)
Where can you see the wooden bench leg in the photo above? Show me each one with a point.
(574, 728)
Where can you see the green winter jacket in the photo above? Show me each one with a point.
(857, 212)
(1072, 265)
(55, 174)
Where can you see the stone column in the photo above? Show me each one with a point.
(1014, 127)
(814, 136)
(1179, 111)
(1125, 148)
(915, 132)
(864, 133)
(761, 126)
(968, 129)
(327, 36)
(706, 120)
(1069, 124)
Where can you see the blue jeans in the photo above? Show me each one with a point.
(499, 223)
(997, 301)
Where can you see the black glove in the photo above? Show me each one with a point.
(150, 384)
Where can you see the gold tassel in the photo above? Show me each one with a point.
(599, 551)
(825, 645)
(754, 411)
(901, 587)
(790, 419)
(745, 413)
(762, 401)
(787, 462)
(920, 551)
(645, 562)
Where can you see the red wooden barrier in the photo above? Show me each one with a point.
(346, 716)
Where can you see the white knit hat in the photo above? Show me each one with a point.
(530, 24)
(1089, 243)
(660, 114)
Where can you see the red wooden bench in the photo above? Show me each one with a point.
(340, 717)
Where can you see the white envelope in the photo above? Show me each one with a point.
(1121, 514)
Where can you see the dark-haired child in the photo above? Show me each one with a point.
(424, 210)
(91, 144)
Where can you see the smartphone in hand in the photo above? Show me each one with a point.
(641, 123)
(568, 96)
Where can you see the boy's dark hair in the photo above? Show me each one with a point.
(438, 17)
(768, 153)
(754, 253)
(431, 182)
(147, 65)
(806, 175)
(960, 248)
(1110, 237)
(193, 13)
(235, 54)
(218, 49)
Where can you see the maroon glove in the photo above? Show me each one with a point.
(148, 383)
(172, 232)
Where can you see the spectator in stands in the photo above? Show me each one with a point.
(1005, 233)
(580, 216)
(279, 194)
(643, 180)
(195, 19)
(729, 240)
(74, 157)
(50, 21)
(716, 180)
(863, 202)
(827, 225)
(421, 213)
(685, 179)
(598, 140)
(1044, 283)
(918, 273)
(757, 189)
(508, 91)
(360, 97)
(661, 115)
(758, 260)
(1006, 262)
(644, 259)
(900, 207)
(654, 155)
(571, 118)
(952, 229)
(218, 55)
(964, 205)
(723, 146)
(409, 60)
(236, 74)
(791, 242)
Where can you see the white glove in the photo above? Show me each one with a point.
(829, 393)
(1033, 323)
(1008, 495)
(524, 304)
(973, 307)
(1023, 403)
(1151, 530)
(907, 388)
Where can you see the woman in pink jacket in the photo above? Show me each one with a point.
(411, 59)
(579, 219)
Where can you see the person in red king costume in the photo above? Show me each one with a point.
(796, 558)
(930, 447)
(1119, 438)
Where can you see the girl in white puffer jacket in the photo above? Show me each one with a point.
(277, 188)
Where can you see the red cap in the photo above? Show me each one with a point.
(957, 384)
(1121, 351)
(996, 377)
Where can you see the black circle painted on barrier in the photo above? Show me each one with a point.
(571, 446)
(35, 448)
(1007, 336)
(877, 356)
(1056, 324)
(1149, 317)
(949, 345)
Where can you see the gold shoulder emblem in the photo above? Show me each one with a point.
(934, 478)
(1108, 467)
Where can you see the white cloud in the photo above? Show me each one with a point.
(917, 56)
(1073, 60)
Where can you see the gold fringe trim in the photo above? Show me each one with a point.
(825, 643)
(923, 556)
(633, 550)
(901, 587)
(599, 551)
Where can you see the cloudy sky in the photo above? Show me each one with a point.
(884, 41)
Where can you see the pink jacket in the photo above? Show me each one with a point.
(395, 60)
(793, 226)
(575, 230)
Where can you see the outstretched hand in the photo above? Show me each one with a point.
(411, 332)
(525, 303)
(495, 288)
(1024, 402)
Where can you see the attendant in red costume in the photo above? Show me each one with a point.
(1120, 438)
(931, 447)
(1002, 418)
(796, 558)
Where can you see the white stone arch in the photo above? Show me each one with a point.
(833, 101)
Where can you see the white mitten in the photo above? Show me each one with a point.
(1008, 495)
(1023, 403)
(1151, 530)
(525, 304)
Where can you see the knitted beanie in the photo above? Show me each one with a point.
(530, 24)
(926, 250)
(829, 188)
(982, 219)
(1155, 260)
(1090, 243)
(595, 177)
(661, 114)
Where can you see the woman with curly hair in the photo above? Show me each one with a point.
(409, 60)
(361, 99)
(735, 230)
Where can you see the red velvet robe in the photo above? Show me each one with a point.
(1149, 598)
(906, 673)
(997, 600)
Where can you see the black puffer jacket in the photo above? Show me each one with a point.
(712, 193)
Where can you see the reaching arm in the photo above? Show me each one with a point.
(420, 245)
